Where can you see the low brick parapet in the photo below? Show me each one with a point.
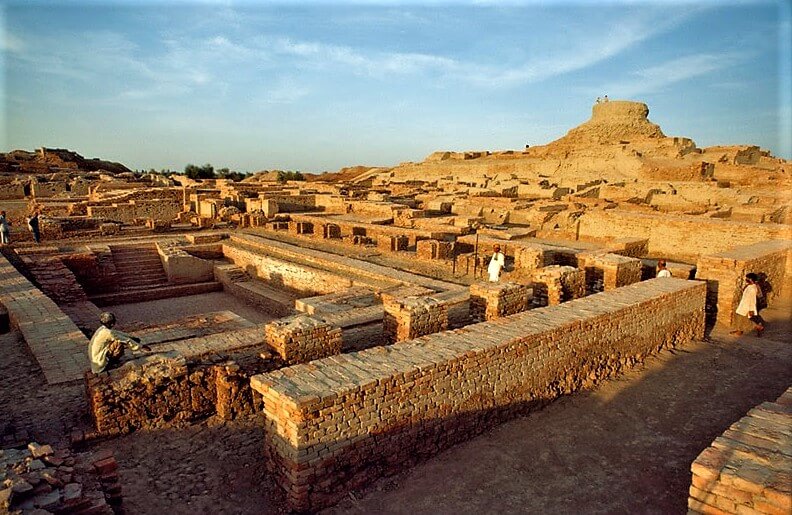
(747, 469)
(302, 338)
(410, 317)
(605, 271)
(489, 301)
(555, 284)
(338, 423)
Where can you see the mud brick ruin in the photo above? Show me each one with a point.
(348, 318)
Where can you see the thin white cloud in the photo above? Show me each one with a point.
(655, 78)
(373, 64)
(286, 90)
(180, 64)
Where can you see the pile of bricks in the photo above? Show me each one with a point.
(555, 284)
(489, 301)
(747, 469)
(302, 338)
(340, 422)
(40, 479)
(410, 317)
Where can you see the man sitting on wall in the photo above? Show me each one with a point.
(107, 345)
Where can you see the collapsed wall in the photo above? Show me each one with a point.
(185, 381)
(337, 423)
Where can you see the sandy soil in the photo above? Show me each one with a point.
(625, 447)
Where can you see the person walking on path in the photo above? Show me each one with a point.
(107, 345)
(33, 225)
(747, 312)
(496, 264)
(662, 271)
(5, 232)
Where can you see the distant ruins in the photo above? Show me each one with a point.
(381, 342)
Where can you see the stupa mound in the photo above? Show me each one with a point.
(615, 121)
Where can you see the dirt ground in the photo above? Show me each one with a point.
(624, 447)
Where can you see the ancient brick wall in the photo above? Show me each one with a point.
(605, 271)
(55, 341)
(725, 275)
(47, 189)
(302, 338)
(392, 243)
(182, 267)
(55, 280)
(183, 382)
(489, 301)
(434, 249)
(281, 273)
(163, 209)
(630, 247)
(338, 423)
(410, 317)
(529, 258)
(746, 470)
(12, 190)
(555, 284)
(678, 237)
(95, 271)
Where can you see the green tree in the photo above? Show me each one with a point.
(225, 173)
(199, 172)
(290, 176)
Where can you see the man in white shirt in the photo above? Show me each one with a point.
(496, 264)
(107, 346)
(747, 312)
(662, 271)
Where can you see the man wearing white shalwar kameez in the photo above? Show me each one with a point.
(496, 264)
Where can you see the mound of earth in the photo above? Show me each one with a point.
(612, 122)
(47, 160)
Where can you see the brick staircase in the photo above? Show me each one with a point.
(141, 278)
(139, 267)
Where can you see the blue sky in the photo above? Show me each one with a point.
(317, 86)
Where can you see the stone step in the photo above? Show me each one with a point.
(161, 292)
(144, 282)
(137, 259)
(141, 271)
